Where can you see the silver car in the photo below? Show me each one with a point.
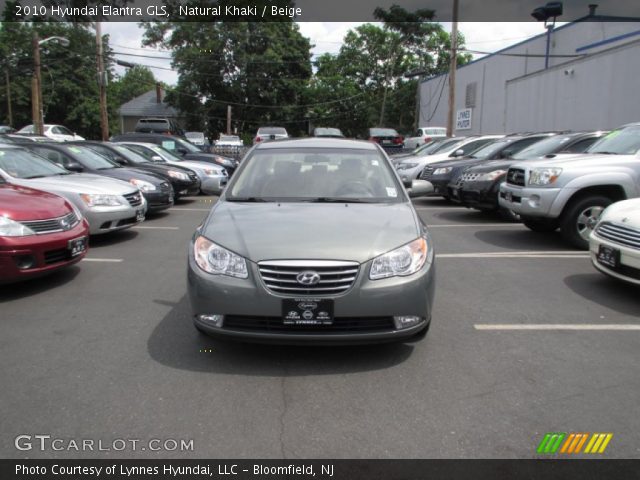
(212, 177)
(107, 204)
(314, 241)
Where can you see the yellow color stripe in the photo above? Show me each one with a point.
(591, 442)
(574, 443)
(565, 446)
(598, 442)
(605, 443)
(582, 440)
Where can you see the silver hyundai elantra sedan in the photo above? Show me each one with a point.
(314, 241)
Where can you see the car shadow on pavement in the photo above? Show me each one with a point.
(475, 216)
(607, 292)
(108, 239)
(523, 239)
(36, 286)
(177, 344)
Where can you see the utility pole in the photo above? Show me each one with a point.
(102, 83)
(36, 89)
(452, 69)
(9, 111)
(228, 119)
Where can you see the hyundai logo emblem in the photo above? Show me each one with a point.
(308, 277)
(64, 224)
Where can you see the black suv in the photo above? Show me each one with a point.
(179, 147)
(159, 125)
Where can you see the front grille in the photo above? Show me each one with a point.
(427, 173)
(164, 186)
(281, 276)
(60, 224)
(515, 176)
(621, 234)
(339, 325)
(134, 199)
(469, 177)
(192, 176)
(56, 256)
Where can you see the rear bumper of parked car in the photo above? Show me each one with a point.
(629, 268)
(370, 303)
(40, 254)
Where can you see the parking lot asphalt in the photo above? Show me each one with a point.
(106, 350)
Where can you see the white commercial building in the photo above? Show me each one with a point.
(592, 83)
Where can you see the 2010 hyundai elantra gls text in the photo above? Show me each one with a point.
(314, 241)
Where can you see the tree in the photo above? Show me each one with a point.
(133, 83)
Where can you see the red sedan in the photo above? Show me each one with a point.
(39, 233)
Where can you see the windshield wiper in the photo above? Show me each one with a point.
(34, 176)
(106, 168)
(337, 200)
(247, 199)
(607, 153)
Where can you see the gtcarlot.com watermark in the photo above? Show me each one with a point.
(50, 443)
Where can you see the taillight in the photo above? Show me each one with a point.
(258, 139)
(398, 140)
(372, 139)
(427, 139)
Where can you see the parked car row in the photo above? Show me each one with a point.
(54, 192)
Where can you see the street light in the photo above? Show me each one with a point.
(543, 14)
(36, 85)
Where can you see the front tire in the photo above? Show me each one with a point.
(580, 219)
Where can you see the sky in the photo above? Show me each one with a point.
(327, 37)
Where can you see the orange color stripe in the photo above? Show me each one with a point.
(574, 443)
(584, 439)
(567, 442)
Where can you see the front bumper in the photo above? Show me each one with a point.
(410, 174)
(182, 188)
(481, 195)
(533, 202)
(105, 219)
(159, 200)
(48, 252)
(249, 298)
(629, 268)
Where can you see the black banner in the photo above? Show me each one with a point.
(320, 469)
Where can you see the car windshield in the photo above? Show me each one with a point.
(383, 132)
(27, 129)
(272, 131)
(130, 155)
(20, 163)
(89, 158)
(322, 175)
(195, 135)
(446, 145)
(150, 152)
(624, 141)
(543, 147)
(328, 131)
(490, 150)
(229, 138)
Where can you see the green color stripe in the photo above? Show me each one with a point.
(558, 442)
(543, 443)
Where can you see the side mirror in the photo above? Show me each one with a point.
(420, 188)
(458, 153)
(182, 151)
(74, 167)
(506, 153)
(121, 161)
(157, 158)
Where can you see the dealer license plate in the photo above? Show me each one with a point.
(307, 311)
(77, 246)
(608, 256)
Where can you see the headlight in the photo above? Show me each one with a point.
(11, 228)
(99, 200)
(178, 175)
(213, 173)
(442, 171)
(544, 176)
(402, 261)
(217, 260)
(224, 161)
(143, 185)
(406, 166)
(491, 175)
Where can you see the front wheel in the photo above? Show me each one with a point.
(580, 219)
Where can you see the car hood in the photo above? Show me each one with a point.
(589, 160)
(198, 165)
(626, 212)
(464, 162)
(271, 231)
(209, 158)
(23, 203)
(492, 166)
(127, 173)
(79, 183)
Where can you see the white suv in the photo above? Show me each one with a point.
(424, 135)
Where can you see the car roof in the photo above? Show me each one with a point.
(317, 142)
